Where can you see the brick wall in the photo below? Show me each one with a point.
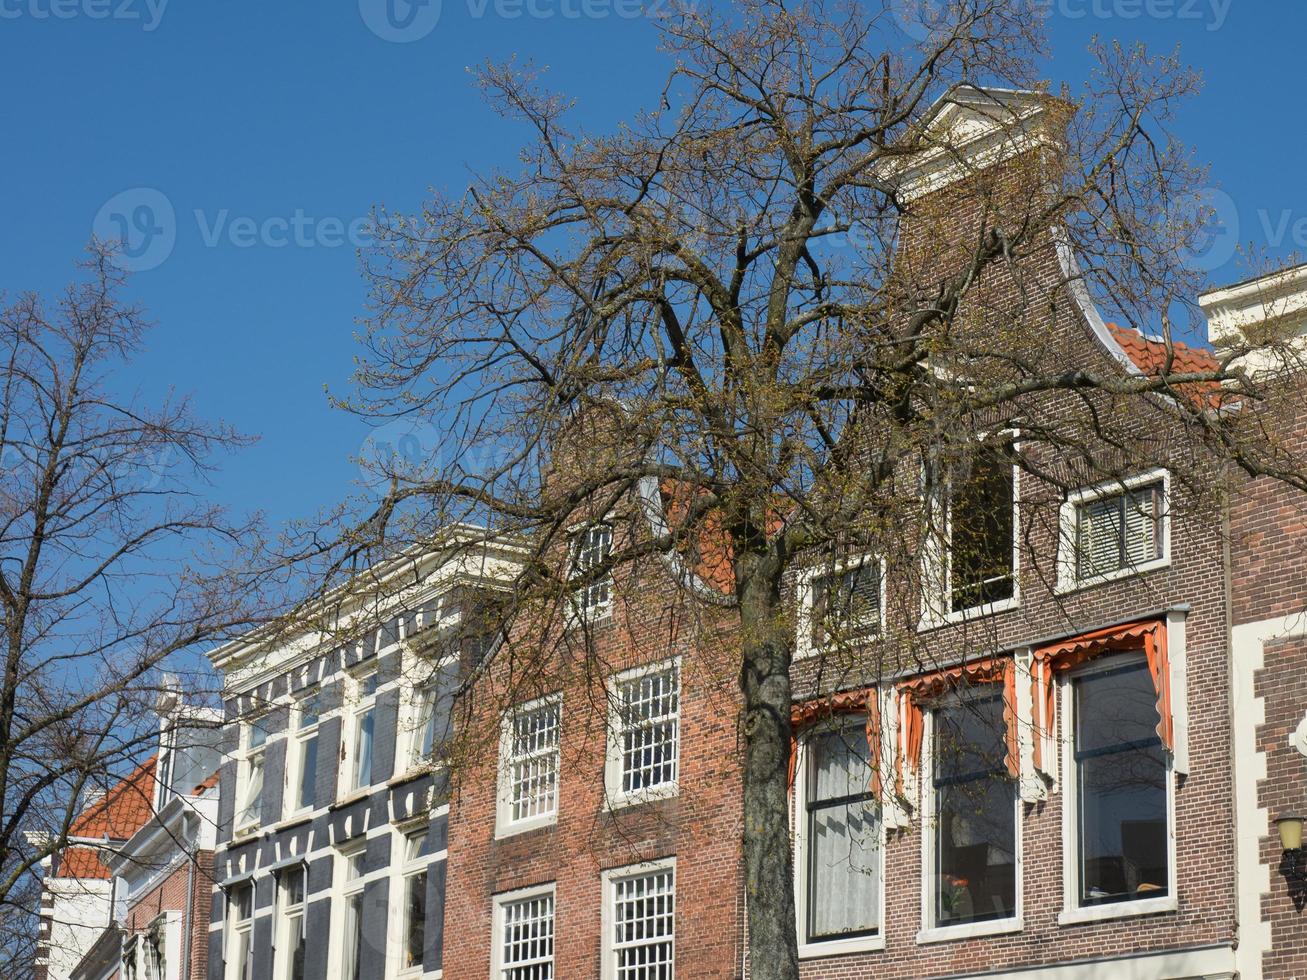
(170, 895)
(700, 826)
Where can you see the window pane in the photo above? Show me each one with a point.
(534, 761)
(250, 812)
(352, 959)
(1121, 772)
(590, 549)
(846, 605)
(363, 749)
(981, 533)
(975, 815)
(644, 921)
(307, 790)
(528, 940)
(649, 714)
(843, 837)
(416, 919)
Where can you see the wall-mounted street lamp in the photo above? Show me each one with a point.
(1292, 863)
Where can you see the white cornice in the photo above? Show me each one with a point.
(969, 129)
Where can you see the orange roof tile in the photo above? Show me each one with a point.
(1150, 356)
(81, 862)
(123, 810)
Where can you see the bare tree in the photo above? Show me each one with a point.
(782, 329)
(112, 565)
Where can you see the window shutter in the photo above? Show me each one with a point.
(1141, 526)
(1099, 547)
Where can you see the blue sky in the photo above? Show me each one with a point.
(286, 121)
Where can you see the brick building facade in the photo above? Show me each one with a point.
(1078, 782)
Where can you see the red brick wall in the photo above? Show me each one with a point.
(170, 896)
(1268, 548)
(700, 826)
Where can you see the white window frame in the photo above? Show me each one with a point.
(296, 738)
(577, 613)
(402, 868)
(807, 592)
(937, 560)
(609, 880)
(828, 947)
(281, 937)
(1072, 912)
(616, 796)
(341, 892)
(930, 932)
(241, 824)
(499, 903)
(1068, 579)
(415, 723)
(505, 824)
(232, 930)
(356, 706)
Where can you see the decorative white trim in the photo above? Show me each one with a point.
(1209, 963)
(970, 129)
(608, 879)
(1067, 557)
(614, 796)
(1031, 787)
(1072, 912)
(505, 825)
(829, 947)
(1252, 820)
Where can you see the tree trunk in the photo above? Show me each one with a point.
(768, 861)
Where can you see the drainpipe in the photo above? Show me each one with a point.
(188, 920)
(1227, 583)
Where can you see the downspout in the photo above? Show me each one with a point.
(188, 916)
(1227, 584)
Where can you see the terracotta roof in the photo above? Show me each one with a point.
(81, 862)
(123, 810)
(1150, 356)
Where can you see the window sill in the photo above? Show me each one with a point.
(247, 832)
(294, 820)
(412, 773)
(971, 930)
(852, 643)
(351, 798)
(507, 831)
(1066, 586)
(933, 619)
(1116, 910)
(622, 801)
(841, 947)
